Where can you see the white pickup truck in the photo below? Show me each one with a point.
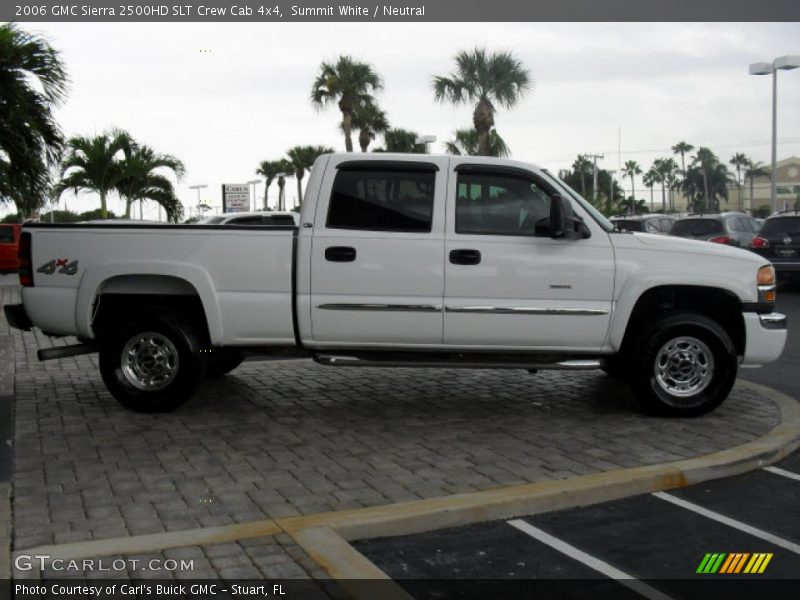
(412, 261)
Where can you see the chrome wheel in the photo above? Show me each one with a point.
(684, 367)
(149, 361)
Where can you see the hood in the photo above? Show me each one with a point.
(670, 243)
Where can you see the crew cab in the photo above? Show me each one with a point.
(412, 261)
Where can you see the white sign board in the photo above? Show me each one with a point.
(235, 197)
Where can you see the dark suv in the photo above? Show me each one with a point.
(653, 223)
(779, 242)
(730, 228)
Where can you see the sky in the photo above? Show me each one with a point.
(224, 97)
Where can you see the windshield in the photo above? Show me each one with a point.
(781, 225)
(596, 214)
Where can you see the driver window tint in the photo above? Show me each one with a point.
(379, 200)
(489, 204)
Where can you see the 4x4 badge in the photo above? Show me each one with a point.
(66, 267)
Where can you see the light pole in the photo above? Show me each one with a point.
(254, 183)
(424, 140)
(594, 157)
(784, 63)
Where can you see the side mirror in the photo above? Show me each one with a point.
(558, 216)
(564, 223)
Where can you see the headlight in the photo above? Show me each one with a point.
(766, 284)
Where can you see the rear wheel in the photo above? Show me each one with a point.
(153, 364)
(685, 365)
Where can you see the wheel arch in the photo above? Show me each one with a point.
(718, 304)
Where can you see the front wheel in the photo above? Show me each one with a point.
(153, 364)
(686, 366)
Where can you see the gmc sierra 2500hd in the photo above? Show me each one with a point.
(405, 260)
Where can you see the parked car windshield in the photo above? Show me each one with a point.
(628, 224)
(781, 225)
(697, 227)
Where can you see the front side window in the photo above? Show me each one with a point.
(382, 200)
(499, 204)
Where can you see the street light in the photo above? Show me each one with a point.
(424, 140)
(254, 183)
(784, 63)
(611, 188)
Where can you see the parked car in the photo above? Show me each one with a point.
(405, 260)
(779, 242)
(729, 228)
(9, 236)
(254, 218)
(650, 223)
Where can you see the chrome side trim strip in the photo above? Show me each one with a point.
(384, 307)
(773, 321)
(520, 310)
(564, 365)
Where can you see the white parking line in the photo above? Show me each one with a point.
(783, 472)
(754, 531)
(589, 560)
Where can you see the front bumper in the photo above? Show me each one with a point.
(17, 317)
(765, 336)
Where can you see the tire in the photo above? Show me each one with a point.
(222, 364)
(684, 365)
(615, 367)
(146, 383)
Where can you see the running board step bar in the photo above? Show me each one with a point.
(339, 360)
(65, 351)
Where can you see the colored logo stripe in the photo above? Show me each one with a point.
(721, 562)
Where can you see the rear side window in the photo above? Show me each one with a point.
(781, 226)
(697, 227)
(6, 235)
(278, 220)
(382, 200)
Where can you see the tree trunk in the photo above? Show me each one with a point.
(299, 177)
(364, 139)
(281, 186)
(632, 208)
(483, 120)
(267, 183)
(128, 208)
(347, 125)
(103, 211)
(705, 191)
(663, 197)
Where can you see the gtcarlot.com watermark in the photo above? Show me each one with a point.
(27, 562)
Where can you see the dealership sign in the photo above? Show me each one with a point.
(235, 197)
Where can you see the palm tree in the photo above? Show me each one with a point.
(581, 166)
(631, 169)
(92, 164)
(739, 161)
(349, 83)
(465, 141)
(486, 80)
(269, 170)
(141, 181)
(32, 82)
(287, 169)
(650, 179)
(302, 159)
(369, 120)
(401, 140)
(755, 169)
(682, 148)
(665, 168)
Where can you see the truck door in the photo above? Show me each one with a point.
(377, 267)
(507, 283)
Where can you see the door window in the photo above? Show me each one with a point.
(500, 204)
(382, 200)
